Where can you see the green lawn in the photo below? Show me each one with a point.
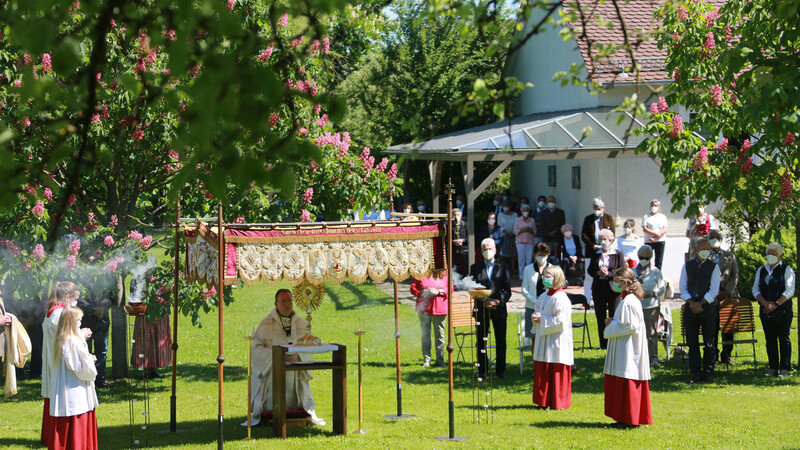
(739, 411)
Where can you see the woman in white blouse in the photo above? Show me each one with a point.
(552, 350)
(629, 243)
(654, 227)
(627, 369)
(72, 396)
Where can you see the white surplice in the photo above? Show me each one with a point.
(72, 383)
(627, 355)
(298, 391)
(49, 328)
(554, 331)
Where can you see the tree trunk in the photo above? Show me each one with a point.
(119, 334)
(797, 252)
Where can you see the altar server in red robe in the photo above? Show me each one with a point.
(627, 370)
(552, 349)
(73, 399)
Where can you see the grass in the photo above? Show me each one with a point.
(740, 410)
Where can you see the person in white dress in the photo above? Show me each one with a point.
(281, 327)
(532, 286)
(654, 227)
(629, 243)
(627, 368)
(552, 350)
(72, 395)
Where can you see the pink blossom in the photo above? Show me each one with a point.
(303, 131)
(38, 209)
(173, 155)
(368, 164)
(326, 45)
(313, 166)
(90, 217)
(710, 43)
(746, 145)
(314, 90)
(48, 194)
(716, 95)
(789, 139)
(113, 23)
(786, 186)
(662, 105)
(137, 134)
(392, 172)
(71, 262)
(209, 293)
(322, 121)
(654, 108)
(711, 17)
(273, 119)
(135, 235)
(17, 83)
(701, 160)
(26, 59)
(747, 165)
(305, 216)
(314, 48)
(677, 126)
(114, 222)
(318, 108)
(38, 251)
(364, 154)
(264, 56)
(239, 219)
(109, 241)
(111, 266)
(27, 266)
(47, 64)
(75, 246)
(26, 122)
(381, 167)
(193, 71)
(30, 189)
(728, 34)
(95, 117)
(309, 194)
(71, 199)
(283, 21)
(682, 14)
(722, 146)
(170, 35)
(145, 242)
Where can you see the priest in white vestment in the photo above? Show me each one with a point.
(281, 327)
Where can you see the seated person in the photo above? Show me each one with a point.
(281, 327)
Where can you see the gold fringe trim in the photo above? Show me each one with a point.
(298, 239)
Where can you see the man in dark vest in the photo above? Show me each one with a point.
(494, 275)
(699, 287)
(773, 289)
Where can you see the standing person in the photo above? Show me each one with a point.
(699, 285)
(524, 232)
(627, 372)
(431, 308)
(699, 226)
(421, 206)
(495, 276)
(461, 204)
(95, 318)
(282, 326)
(729, 278)
(773, 288)
(595, 222)
(605, 262)
(73, 398)
(62, 294)
(552, 349)
(652, 281)
(629, 243)
(506, 220)
(553, 219)
(497, 204)
(654, 227)
(490, 230)
(533, 287)
(31, 315)
(541, 205)
(460, 246)
(571, 256)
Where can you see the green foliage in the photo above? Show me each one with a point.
(751, 255)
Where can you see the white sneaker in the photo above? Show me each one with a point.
(317, 421)
(771, 373)
(254, 420)
(783, 373)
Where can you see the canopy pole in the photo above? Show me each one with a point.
(221, 303)
(173, 400)
(449, 189)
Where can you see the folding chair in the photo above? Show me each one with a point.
(664, 327)
(523, 342)
(462, 318)
(580, 299)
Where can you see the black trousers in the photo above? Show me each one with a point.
(779, 344)
(727, 349)
(709, 320)
(603, 298)
(482, 328)
(658, 252)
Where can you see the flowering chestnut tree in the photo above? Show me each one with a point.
(735, 70)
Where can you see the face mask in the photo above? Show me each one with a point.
(541, 259)
(408, 211)
(703, 254)
(598, 212)
(456, 218)
(547, 282)
(488, 255)
(505, 197)
(568, 234)
(714, 243)
(702, 211)
(653, 209)
(604, 244)
(644, 263)
(541, 205)
(506, 208)
(526, 213)
(458, 203)
(495, 203)
(490, 222)
(772, 259)
(616, 287)
(628, 230)
(421, 208)
(551, 205)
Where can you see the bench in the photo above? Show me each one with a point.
(733, 319)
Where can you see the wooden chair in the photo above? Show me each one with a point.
(462, 318)
(734, 319)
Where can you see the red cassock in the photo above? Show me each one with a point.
(74, 432)
(552, 385)
(47, 422)
(628, 401)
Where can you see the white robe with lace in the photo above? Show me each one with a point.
(298, 391)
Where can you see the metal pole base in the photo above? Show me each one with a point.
(401, 416)
(360, 432)
(454, 438)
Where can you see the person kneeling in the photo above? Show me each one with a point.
(281, 327)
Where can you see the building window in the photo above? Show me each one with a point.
(551, 176)
(576, 177)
